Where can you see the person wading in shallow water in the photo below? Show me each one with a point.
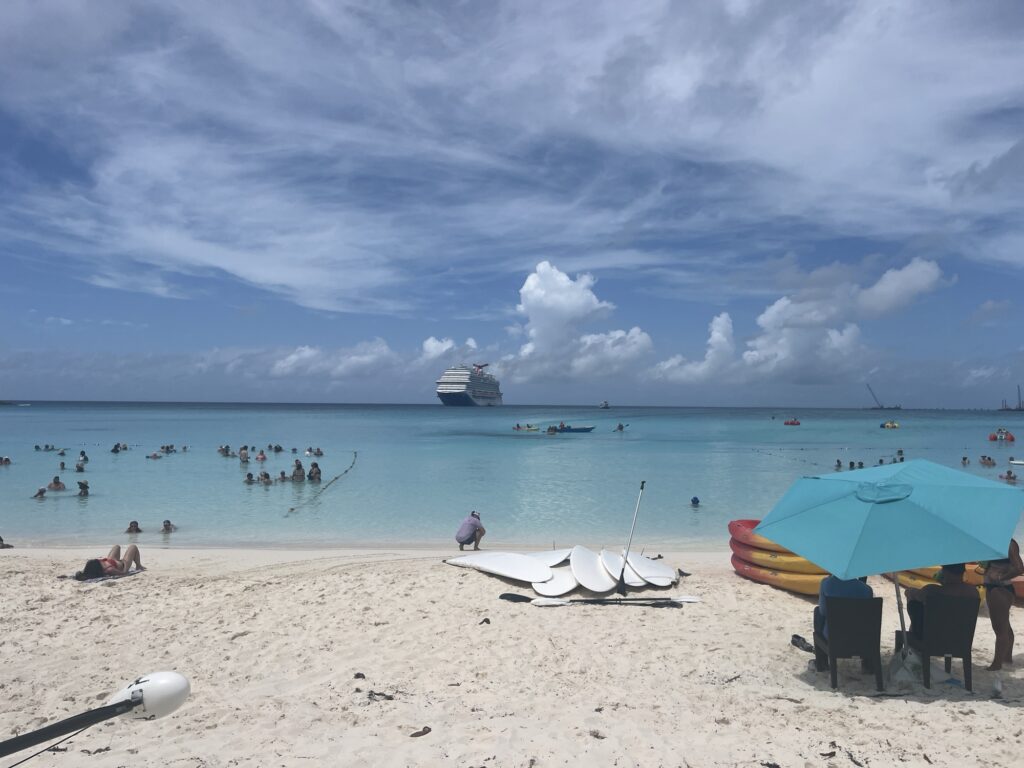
(471, 531)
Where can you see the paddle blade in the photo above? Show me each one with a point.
(512, 597)
(621, 587)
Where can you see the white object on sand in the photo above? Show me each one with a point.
(562, 582)
(612, 563)
(507, 564)
(552, 557)
(651, 571)
(586, 567)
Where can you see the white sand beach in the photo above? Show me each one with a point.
(337, 657)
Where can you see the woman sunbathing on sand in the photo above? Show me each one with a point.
(113, 564)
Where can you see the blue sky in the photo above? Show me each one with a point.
(734, 203)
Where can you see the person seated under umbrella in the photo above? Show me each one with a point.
(951, 582)
(833, 586)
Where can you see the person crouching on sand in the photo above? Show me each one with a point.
(113, 564)
(471, 531)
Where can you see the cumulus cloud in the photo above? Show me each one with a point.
(811, 337)
(433, 348)
(899, 287)
(601, 354)
(719, 356)
(59, 321)
(556, 307)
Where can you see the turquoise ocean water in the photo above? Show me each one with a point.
(420, 469)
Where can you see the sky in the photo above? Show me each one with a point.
(684, 203)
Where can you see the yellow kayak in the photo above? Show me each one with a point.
(777, 561)
(801, 583)
(972, 574)
(914, 580)
(743, 531)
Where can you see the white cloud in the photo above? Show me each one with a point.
(433, 348)
(899, 287)
(366, 356)
(59, 321)
(556, 307)
(719, 356)
(301, 359)
(601, 354)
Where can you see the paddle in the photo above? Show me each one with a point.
(621, 588)
(650, 602)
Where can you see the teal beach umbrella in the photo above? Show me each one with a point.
(894, 517)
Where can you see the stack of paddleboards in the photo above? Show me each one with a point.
(560, 571)
(762, 560)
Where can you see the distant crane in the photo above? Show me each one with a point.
(1020, 403)
(878, 403)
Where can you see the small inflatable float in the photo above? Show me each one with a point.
(1002, 435)
(890, 425)
(792, 422)
(801, 583)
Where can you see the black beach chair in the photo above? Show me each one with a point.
(948, 630)
(854, 629)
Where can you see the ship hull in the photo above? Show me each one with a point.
(466, 399)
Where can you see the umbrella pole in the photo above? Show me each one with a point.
(899, 605)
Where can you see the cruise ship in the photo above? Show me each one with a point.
(468, 385)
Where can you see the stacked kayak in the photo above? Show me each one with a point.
(914, 580)
(762, 560)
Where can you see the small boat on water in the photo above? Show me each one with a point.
(525, 428)
(563, 427)
(604, 405)
(1002, 435)
(889, 424)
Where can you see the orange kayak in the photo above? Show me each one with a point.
(778, 561)
(801, 583)
(743, 532)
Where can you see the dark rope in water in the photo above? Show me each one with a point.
(325, 486)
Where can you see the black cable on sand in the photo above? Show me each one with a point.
(325, 486)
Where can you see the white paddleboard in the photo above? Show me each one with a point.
(586, 567)
(1017, 461)
(507, 564)
(653, 572)
(612, 563)
(552, 557)
(562, 582)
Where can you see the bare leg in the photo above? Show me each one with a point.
(999, 602)
(132, 557)
(115, 552)
(479, 535)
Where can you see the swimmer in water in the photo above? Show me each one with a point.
(133, 527)
(694, 502)
(168, 527)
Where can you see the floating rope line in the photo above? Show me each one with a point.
(328, 484)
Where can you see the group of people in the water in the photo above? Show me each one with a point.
(58, 485)
(167, 527)
(298, 475)
(897, 459)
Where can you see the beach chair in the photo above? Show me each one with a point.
(948, 630)
(854, 629)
